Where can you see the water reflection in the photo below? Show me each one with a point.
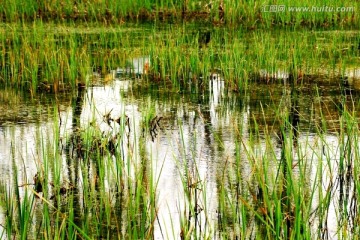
(197, 142)
(20, 108)
(353, 77)
(136, 67)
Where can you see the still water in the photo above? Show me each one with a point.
(194, 147)
(198, 131)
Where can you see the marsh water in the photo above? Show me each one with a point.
(197, 134)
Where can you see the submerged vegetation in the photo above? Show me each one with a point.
(234, 120)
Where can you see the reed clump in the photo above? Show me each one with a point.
(273, 181)
(36, 58)
(219, 12)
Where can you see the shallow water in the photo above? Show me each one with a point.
(209, 124)
(197, 136)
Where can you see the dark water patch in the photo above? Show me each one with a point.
(21, 108)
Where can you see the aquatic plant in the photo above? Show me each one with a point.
(249, 14)
(78, 56)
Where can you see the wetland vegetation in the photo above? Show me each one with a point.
(248, 14)
(178, 120)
